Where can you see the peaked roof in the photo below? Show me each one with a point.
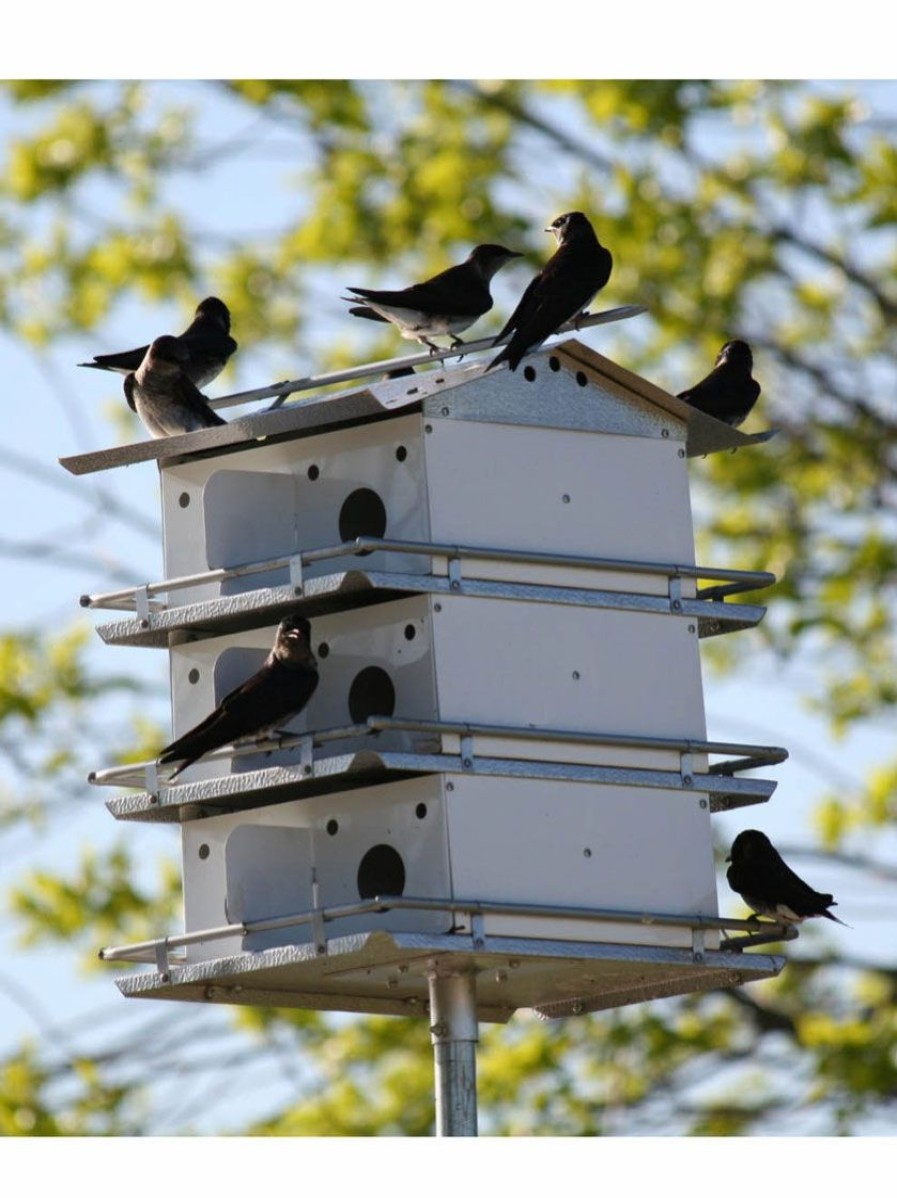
(604, 396)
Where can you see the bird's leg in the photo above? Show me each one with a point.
(434, 349)
(580, 318)
(277, 736)
(456, 341)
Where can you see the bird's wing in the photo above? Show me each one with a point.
(194, 401)
(129, 385)
(268, 697)
(125, 362)
(799, 893)
(457, 291)
(527, 303)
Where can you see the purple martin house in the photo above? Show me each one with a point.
(504, 773)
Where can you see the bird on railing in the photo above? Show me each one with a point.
(561, 291)
(271, 697)
(443, 306)
(768, 886)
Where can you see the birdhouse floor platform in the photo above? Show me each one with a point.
(155, 625)
(387, 974)
(465, 751)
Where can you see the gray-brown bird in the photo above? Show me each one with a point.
(767, 884)
(561, 291)
(162, 395)
(728, 392)
(206, 339)
(443, 306)
(270, 698)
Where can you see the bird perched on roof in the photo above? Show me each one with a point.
(561, 291)
(163, 396)
(271, 697)
(207, 340)
(443, 306)
(767, 884)
(728, 392)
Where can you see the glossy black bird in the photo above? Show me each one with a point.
(443, 306)
(768, 886)
(561, 291)
(271, 697)
(728, 392)
(207, 340)
(162, 395)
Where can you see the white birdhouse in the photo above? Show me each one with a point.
(506, 755)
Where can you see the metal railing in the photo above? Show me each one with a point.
(158, 950)
(747, 757)
(140, 598)
(280, 391)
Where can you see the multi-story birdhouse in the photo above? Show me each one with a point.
(505, 763)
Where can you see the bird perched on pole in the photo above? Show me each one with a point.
(443, 306)
(271, 697)
(162, 395)
(767, 884)
(561, 291)
(728, 392)
(207, 340)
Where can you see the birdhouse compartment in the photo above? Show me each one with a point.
(443, 839)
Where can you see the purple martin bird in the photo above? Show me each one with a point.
(162, 395)
(728, 392)
(768, 886)
(561, 291)
(207, 340)
(443, 306)
(271, 697)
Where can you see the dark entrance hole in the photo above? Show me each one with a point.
(381, 872)
(371, 693)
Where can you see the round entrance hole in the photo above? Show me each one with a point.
(362, 515)
(381, 872)
(371, 693)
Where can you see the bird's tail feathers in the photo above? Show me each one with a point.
(828, 915)
(367, 313)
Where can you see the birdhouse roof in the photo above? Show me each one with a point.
(566, 385)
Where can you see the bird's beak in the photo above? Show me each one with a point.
(729, 858)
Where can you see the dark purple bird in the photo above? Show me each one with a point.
(561, 291)
(728, 392)
(271, 697)
(443, 306)
(207, 340)
(768, 886)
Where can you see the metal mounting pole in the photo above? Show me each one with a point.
(453, 1032)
